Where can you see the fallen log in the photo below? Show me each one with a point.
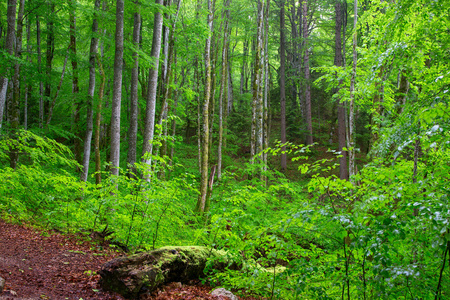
(144, 272)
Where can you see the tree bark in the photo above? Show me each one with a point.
(98, 119)
(202, 202)
(117, 90)
(149, 129)
(132, 131)
(90, 98)
(283, 86)
(14, 108)
(309, 136)
(343, 169)
(223, 82)
(41, 84)
(9, 47)
(351, 125)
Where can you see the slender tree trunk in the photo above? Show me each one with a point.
(309, 137)
(343, 169)
(117, 90)
(90, 98)
(244, 68)
(223, 80)
(351, 125)
(41, 84)
(266, 86)
(14, 108)
(149, 130)
(258, 80)
(98, 119)
(77, 102)
(132, 131)
(203, 202)
(283, 87)
(49, 56)
(9, 47)
(27, 93)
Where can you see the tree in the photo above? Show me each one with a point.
(149, 129)
(351, 125)
(343, 169)
(283, 86)
(91, 91)
(203, 200)
(309, 136)
(117, 90)
(223, 82)
(132, 131)
(9, 47)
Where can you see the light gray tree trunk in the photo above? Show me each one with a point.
(132, 131)
(223, 82)
(149, 129)
(117, 90)
(351, 125)
(90, 98)
(203, 201)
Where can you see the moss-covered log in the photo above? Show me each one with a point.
(144, 272)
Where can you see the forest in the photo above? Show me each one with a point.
(307, 140)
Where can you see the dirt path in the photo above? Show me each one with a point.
(55, 266)
(39, 266)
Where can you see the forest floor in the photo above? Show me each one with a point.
(50, 265)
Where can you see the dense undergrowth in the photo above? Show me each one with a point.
(386, 236)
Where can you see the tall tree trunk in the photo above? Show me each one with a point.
(258, 80)
(75, 87)
(49, 56)
(309, 137)
(14, 108)
(90, 98)
(98, 119)
(243, 69)
(203, 201)
(27, 93)
(223, 82)
(343, 169)
(149, 130)
(41, 84)
(283, 87)
(266, 87)
(351, 125)
(117, 90)
(132, 131)
(9, 47)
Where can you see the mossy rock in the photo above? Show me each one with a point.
(144, 272)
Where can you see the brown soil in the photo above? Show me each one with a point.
(50, 265)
